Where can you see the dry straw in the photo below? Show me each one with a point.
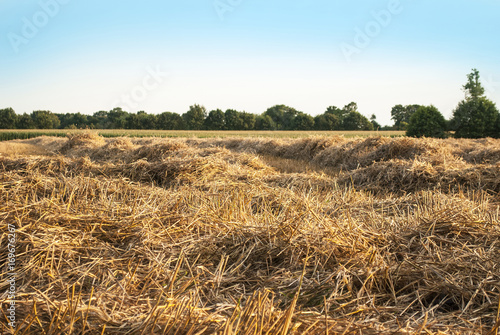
(253, 236)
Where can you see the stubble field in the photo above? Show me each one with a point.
(318, 235)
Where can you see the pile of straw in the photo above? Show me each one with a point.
(189, 236)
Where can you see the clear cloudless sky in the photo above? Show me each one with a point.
(72, 56)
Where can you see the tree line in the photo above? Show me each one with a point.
(279, 117)
(474, 117)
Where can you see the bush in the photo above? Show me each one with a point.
(475, 118)
(428, 122)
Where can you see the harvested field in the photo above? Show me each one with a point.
(319, 235)
(9, 134)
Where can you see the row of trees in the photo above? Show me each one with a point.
(279, 117)
(474, 117)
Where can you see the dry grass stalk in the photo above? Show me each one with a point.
(189, 236)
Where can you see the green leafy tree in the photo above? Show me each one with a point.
(147, 121)
(350, 118)
(73, 120)
(356, 121)
(100, 120)
(339, 113)
(282, 116)
(195, 117)
(473, 88)
(117, 118)
(303, 121)
(215, 120)
(25, 121)
(233, 120)
(427, 121)
(80, 120)
(264, 122)
(476, 116)
(170, 121)
(8, 118)
(350, 107)
(45, 120)
(332, 118)
(327, 121)
(373, 120)
(132, 121)
(141, 120)
(64, 120)
(401, 115)
(248, 120)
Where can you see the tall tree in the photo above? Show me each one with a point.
(473, 88)
(401, 115)
(195, 117)
(373, 120)
(475, 116)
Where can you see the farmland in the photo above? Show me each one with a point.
(7, 134)
(255, 235)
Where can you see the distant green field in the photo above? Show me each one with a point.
(9, 134)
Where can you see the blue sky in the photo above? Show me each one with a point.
(72, 56)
